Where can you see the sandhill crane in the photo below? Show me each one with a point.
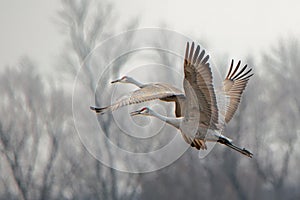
(198, 75)
(147, 92)
(176, 99)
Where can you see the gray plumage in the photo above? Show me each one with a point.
(197, 106)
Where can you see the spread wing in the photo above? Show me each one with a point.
(147, 93)
(198, 74)
(233, 86)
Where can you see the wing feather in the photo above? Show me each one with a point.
(199, 76)
(147, 93)
(234, 86)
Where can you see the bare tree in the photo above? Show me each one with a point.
(29, 131)
(279, 119)
(87, 24)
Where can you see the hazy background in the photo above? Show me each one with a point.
(233, 27)
(43, 44)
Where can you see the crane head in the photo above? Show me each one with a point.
(143, 111)
(124, 79)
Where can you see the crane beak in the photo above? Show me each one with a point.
(134, 113)
(116, 81)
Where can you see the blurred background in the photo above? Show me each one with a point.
(43, 44)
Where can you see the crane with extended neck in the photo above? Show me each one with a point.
(198, 88)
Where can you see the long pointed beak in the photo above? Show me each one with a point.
(134, 113)
(115, 81)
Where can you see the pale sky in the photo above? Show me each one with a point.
(27, 28)
(235, 27)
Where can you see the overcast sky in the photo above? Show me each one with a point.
(233, 26)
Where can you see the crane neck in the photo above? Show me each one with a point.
(135, 82)
(176, 122)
